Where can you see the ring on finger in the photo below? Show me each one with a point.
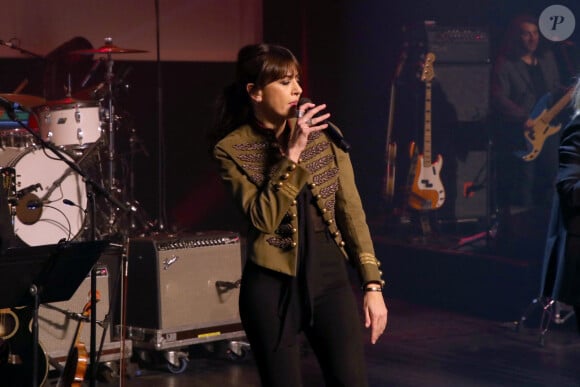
(309, 122)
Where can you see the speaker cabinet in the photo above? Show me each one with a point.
(184, 282)
(466, 88)
(472, 186)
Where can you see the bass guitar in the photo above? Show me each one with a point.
(543, 127)
(426, 191)
(16, 350)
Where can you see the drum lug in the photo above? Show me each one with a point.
(80, 135)
(77, 114)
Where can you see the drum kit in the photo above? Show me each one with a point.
(48, 199)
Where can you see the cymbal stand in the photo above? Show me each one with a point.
(111, 131)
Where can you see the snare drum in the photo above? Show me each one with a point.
(69, 124)
(42, 182)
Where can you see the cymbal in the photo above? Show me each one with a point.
(107, 49)
(24, 99)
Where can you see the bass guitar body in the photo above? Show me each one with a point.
(543, 127)
(427, 191)
(17, 355)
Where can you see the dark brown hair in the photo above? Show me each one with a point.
(259, 64)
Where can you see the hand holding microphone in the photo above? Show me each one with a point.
(315, 117)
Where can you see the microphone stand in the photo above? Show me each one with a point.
(19, 49)
(92, 188)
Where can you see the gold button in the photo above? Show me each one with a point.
(279, 184)
(285, 176)
(329, 222)
(293, 244)
(292, 167)
(380, 272)
(312, 185)
(324, 210)
(294, 202)
(335, 234)
(318, 197)
(342, 243)
(382, 283)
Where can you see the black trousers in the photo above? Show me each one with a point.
(329, 318)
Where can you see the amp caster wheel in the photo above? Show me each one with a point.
(176, 361)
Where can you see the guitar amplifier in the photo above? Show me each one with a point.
(183, 289)
(458, 44)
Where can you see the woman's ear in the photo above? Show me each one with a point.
(254, 92)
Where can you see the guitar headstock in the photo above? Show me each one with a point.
(428, 71)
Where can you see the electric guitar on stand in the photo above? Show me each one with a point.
(426, 191)
(542, 117)
(391, 149)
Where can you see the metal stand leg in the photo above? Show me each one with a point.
(552, 312)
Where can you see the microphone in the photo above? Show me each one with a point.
(332, 130)
(71, 203)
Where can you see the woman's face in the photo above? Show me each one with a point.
(277, 101)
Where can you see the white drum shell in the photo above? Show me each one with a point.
(74, 124)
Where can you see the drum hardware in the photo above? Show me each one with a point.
(92, 189)
(108, 49)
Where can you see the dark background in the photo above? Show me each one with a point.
(349, 49)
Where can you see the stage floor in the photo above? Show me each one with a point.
(453, 321)
(424, 346)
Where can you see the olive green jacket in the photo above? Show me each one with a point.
(265, 185)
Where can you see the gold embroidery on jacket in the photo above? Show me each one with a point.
(251, 146)
(325, 176)
(311, 152)
(283, 243)
(320, 163)
(329, 191)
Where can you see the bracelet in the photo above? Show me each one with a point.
(373, 289)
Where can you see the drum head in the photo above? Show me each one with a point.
(43, 184)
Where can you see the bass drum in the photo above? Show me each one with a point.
(43, 181)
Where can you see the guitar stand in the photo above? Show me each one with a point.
(30, 276)
(552, 311)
